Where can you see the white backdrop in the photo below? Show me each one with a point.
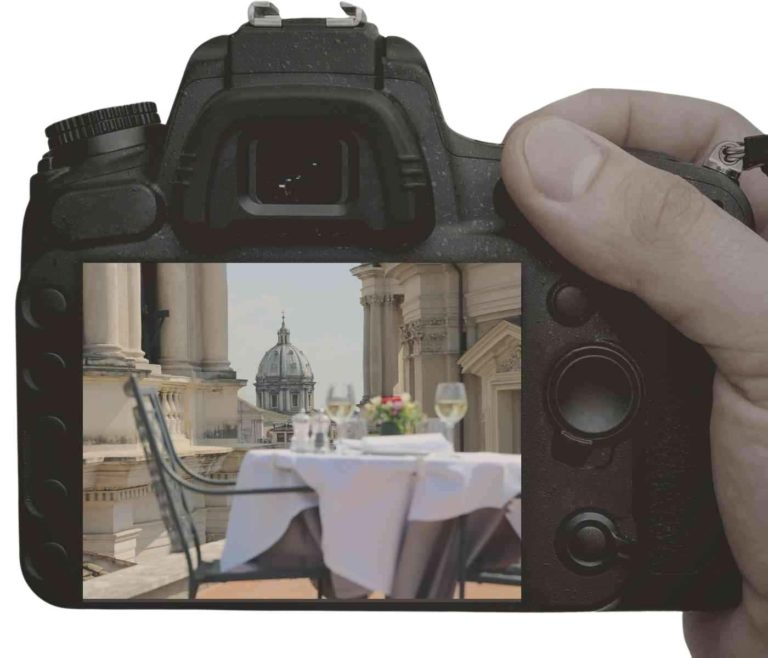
(491, 62)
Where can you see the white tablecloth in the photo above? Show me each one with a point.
(364, 502)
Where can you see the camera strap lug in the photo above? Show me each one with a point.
(733, 158)
(266, 14)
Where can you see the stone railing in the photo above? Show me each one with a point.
(173, 399)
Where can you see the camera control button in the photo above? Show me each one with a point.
(570, 305)
(589, 542)
(46, 305)
(50, 429)
(593, 393)
(49, 562)
(51, 497)
(49, 446)
(45, 372)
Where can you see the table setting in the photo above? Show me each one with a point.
(384, 510)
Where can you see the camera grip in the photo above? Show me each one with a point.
(617, 415)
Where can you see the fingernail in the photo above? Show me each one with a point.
(562, 158)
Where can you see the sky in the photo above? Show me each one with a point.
(322, 311)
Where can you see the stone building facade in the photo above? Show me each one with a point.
(426, 323)
(166, 323)
(263, 428)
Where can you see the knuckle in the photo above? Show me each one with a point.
(592, 91)
(726, 115)
(593, 98)
(661, 207)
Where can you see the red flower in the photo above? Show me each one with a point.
(396, 401)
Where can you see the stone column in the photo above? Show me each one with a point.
(195, 311)
(122, 309)
(371, 278)
(366, 349)
(132, 308)
(375, 351)
(101, 317)
(174, 334)
(391, 341)
(214, 316)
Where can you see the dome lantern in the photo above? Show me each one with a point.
(283, 334)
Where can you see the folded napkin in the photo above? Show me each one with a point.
(406, 444)
(348, 444)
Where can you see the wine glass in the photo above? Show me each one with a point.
(339, 405)
(450, 405)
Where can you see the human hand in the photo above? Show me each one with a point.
(651, 233)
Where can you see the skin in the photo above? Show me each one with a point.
(652, 234)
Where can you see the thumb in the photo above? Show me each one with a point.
(645, 231)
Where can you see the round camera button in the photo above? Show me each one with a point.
(49, 445)
(570, 305)
(46, 371)
(50, 561)
(50, 429)
(594, 392)
(47, 305)
(51, 497)
(588, 542)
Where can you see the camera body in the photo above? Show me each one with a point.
(320, 140)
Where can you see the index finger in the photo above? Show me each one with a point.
(685, 128)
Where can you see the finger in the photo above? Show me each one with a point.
(685, 128)
(648, 232)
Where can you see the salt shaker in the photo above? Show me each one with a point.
(319, 425)
(301, 441)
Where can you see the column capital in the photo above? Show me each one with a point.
(426, 335)
(381, 299)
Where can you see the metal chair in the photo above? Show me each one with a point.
(510, 575)
(172, 480)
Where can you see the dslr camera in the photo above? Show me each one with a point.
(319, 141)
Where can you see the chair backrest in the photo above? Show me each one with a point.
(172, 501)
(169, 448)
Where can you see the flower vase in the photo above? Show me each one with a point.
(389, 428)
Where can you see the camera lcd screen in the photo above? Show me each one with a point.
(391, 391)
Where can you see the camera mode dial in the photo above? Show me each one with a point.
(100, 122)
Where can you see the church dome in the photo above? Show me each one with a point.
(284, 360)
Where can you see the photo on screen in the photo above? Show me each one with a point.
(292, 431)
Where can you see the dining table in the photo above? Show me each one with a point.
(388, 523)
